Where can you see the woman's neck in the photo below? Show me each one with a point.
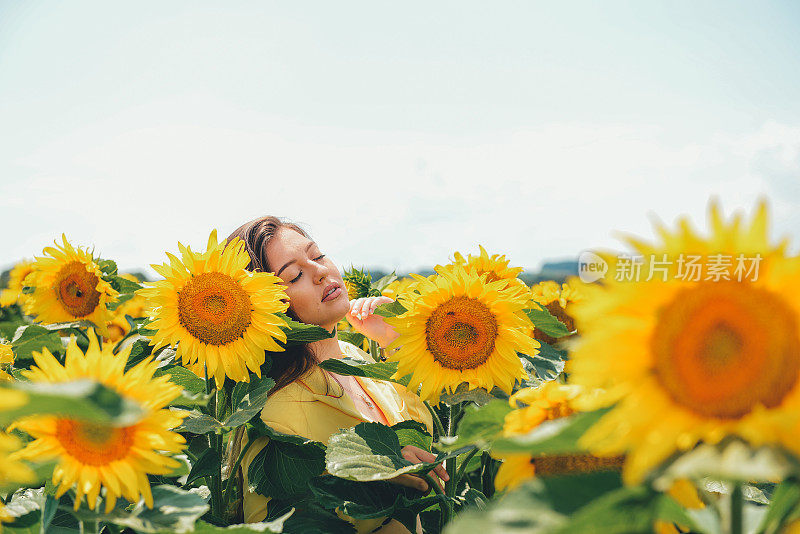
(327, 348)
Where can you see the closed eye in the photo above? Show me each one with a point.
(296, 278)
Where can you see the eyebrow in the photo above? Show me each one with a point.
(288, 263)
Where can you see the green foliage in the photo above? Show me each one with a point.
(183, 377)
(479, 426)
(559, 436)
(284, 467)
(297, 332)
(206, 465)
(463, 393)
(359, 283)
(174, 510)
(556, 504)
(390, 309)
(276, 525)
(372, 451)
(369, 500)
(354, 338)
(80, 399)
(354, 367)
(547, 322)
(413, 433)
(548, 363)
(32, 338)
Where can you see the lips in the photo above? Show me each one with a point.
(331, 292)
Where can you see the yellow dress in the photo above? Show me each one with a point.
(316, 407)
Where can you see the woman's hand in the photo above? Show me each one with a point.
(416, 455)
(364, 322)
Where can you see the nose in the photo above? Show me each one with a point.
(321, 273)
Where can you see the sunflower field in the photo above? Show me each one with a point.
(660, 395)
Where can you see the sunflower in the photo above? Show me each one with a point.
(459, 328)
(712, 358)
(134, 307)
(547, 402)
(556, 299)
(495, 267)
(6, 359)
(399, 287)
(221, 315)
(69, 286)
(11, 471)
(13, 293)
(91, 455)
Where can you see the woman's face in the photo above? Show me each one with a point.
(315, 288)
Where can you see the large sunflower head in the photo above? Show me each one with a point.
(460, 328)
(91, 455)
(713, 350)
(16, 281)
(221, 315)
(495, 267)
(556, 298)
(69, 286)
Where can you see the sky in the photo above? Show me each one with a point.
(396, 133)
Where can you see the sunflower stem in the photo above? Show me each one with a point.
(232, 474)
(450, 466)
(487, 484)
(437, 423)
(737, 508)
(463, 469)
(215, 443)
(373, 350)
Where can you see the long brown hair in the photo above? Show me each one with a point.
(287, 366)
(296, 360)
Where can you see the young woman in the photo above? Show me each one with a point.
(307, 400)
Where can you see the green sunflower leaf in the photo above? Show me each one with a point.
(390, 309)
(480, 425)
(370, 500)
(559, 436)
(283, 468)
(33, 338)
(372, 451)
(547, 322)
(354, 367)
(80, 399)
(297, 332)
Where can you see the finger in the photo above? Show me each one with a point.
(410, 454)
(441, 472)
(425, 456)
(411, 481)
(355, 308)
(365, 308)
(374, 304)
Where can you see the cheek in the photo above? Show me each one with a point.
(301, 301)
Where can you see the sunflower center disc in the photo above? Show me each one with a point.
(461, 333)
(75, 289)
(94, 444)
(721, 349)
(214, 308)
